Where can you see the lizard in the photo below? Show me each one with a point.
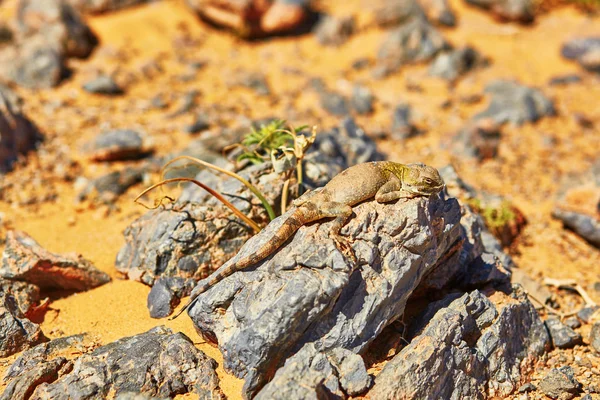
(385, 181)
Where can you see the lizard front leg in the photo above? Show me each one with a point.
(391, 191)
(341, 212)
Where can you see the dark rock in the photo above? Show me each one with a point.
(200, 124)
(18, 134)
(32, 64)
(25, 294)
(562, 336)
(399, 244)
(526, 388)
(45, 352)
(451, 65)
(585, 314)
(584, 225)
(103, 84)
(23, 259)
(586, 51)
(560, 383)
(464, 352)
(107, 188)
(362, 100)
(515, 103)
(478, 139)
(564, 80)
(17, 333)
(116, 145)
(402, 128)
(508, 10)
(165, 294)
(58, 24)
(23, 387)
(334, 103)
(334, 31)
(395, 12)
(312, 374)
(439, 12)
(361, 63)
(157, 363)
(572, 322)
(101, 6)
(595, 336)
(414, 42)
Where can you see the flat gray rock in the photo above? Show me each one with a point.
(101, 6)
(309, 293)
(25, 260)
(508, 10)
(586, 226)
(157, 363)
(116, 145)
(463, 350)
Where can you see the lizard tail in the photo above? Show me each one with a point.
(289, 227)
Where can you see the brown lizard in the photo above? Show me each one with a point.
(383, 180)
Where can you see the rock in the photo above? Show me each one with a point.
(25, 294)
(63, 347)
(334, 103)
(23, 387)
(564, 80)
(137, 396)
(33, 64)
(103, 84)
(249, 18)
(107, 188)
(508, 10)
(584, 225)
(362, 100)
(586, 51)
(58, 24)
(414, 42)
(116, 145)
(101, 6)
(200, 124)
(157, 363)
(18, 134)
(255, 81)
(560, 383)
(451, 65)
(312, 374)
(396, 12)
(340, 304)
(463, 350)
(572, 322)
(334, 31)
(478, 139)
(562, 336)
(165, 295)
(23, 259)
(17, 333)
(402, 128)
(586, 313)
(595, 336)
(526, 388)
(439, 12)
(515, 103)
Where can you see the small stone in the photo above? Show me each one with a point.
(103, 84)
(560, 383)
(451, 65)
(107, 188)
(562, 336)
(585, 314)
(253, 80)
(514, 10)
(564, 80)
(402, 128)
(595, 336)
(586, 51)
(572, 322)
(116, 145)
(334, 31)
(165, 294)
(479, 139)
(362, 100)
(334, 103)
(528, 387)
(586, 226)
(200, 124)
(353, 374)
(102, 6)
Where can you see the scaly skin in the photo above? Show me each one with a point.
(383, 180)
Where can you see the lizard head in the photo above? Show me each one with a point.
(422, 179)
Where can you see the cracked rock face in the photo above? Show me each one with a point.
(309, 293)
(156, 363)
(464, 351)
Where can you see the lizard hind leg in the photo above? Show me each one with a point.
(341, 212)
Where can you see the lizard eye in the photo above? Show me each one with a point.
(428, 181)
